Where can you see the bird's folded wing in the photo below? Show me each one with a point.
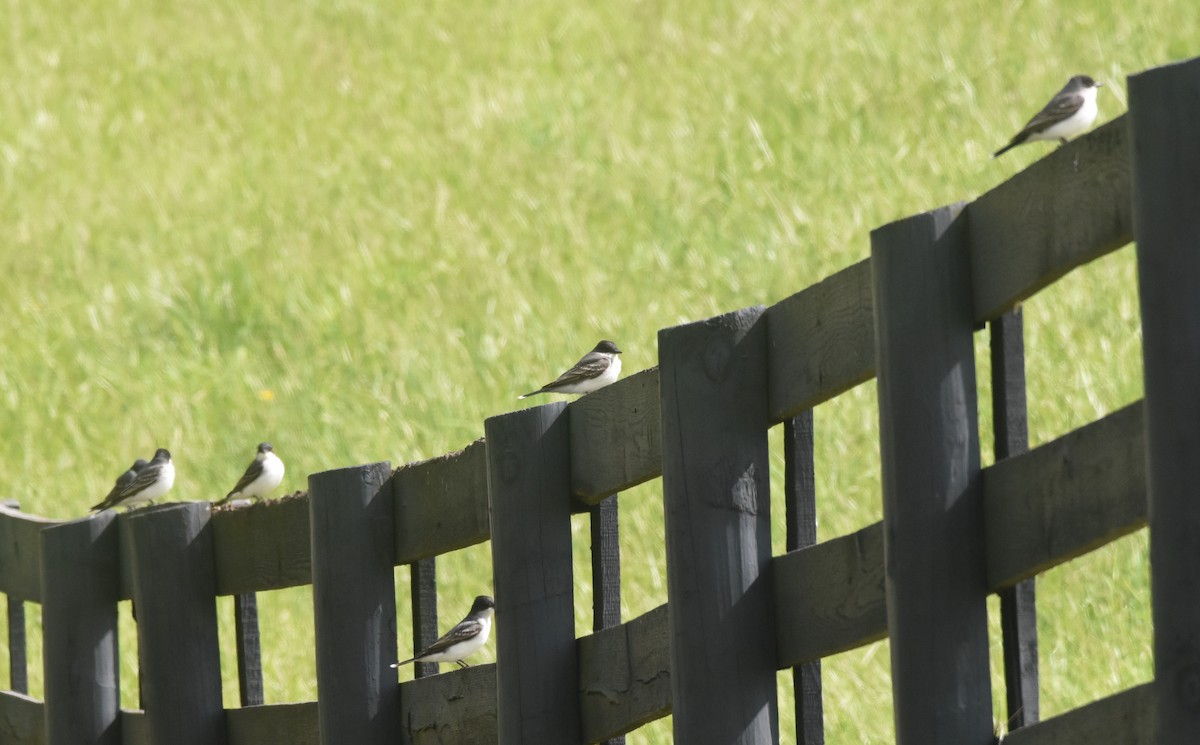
(146, 477)
(1060, 108)
(586, 369)
(462, 632)
(252, 472)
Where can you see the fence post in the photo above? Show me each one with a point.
(932, 512)
(80, 590)
(800, 498)
(716, 491)
(354, 605)
(529, 497)
(1164, 106)
(174, 591)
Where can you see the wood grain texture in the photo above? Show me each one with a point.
(20, 560)
(456, 707)
(616, 437)
(1126, 718)
(441, 504)
(174, 590)
(717, 508)
(293, 724)
(1164, 106)
(1065, 498)
(80, 588)
(529, 483)
(354, 604)
(822, 342)
(936, 575)
(830, 597)
(625, 676)
(263, 547)
(1071, 207)
(21, 720)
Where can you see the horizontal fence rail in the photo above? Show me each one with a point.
(953, 531)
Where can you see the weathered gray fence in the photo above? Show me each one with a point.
(952, 532)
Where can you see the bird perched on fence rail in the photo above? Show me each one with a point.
(263, 474)
(148, 482)
(466, 638)
(593, 371)
(1070, 112)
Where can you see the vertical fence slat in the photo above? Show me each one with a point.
(800, 495)
(1164, 106)
(80, 591)
(716, 491)
(249, 649)
(1018, 604)
(529, 494)
(174, 589)
(18, 667)
(606, 564)
(933, 523)
(606, 571)
(423, 584)
(354, 605)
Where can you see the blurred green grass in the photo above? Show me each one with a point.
(356, 229)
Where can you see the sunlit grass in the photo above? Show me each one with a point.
(358, 229)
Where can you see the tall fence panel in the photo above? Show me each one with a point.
(1164, 111)
(716, 492)
(529, 485)
(932, 508)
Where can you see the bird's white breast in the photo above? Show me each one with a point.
(271, 477)
(1076, 123)
(166, 479)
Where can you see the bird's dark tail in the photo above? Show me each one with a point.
(1015, 141)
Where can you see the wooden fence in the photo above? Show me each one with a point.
(952, 532)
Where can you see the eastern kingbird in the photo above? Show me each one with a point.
(1070, 112)
(263, 474)
(467, 636)
(598, 368)
(122, 481)
(151, 481)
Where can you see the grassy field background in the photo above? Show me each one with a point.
(357, 229)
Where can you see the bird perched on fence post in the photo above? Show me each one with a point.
(466, 638)
(123, 480)
(148, 482)
(1071, 111)
(263, 474)
(593, 371)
